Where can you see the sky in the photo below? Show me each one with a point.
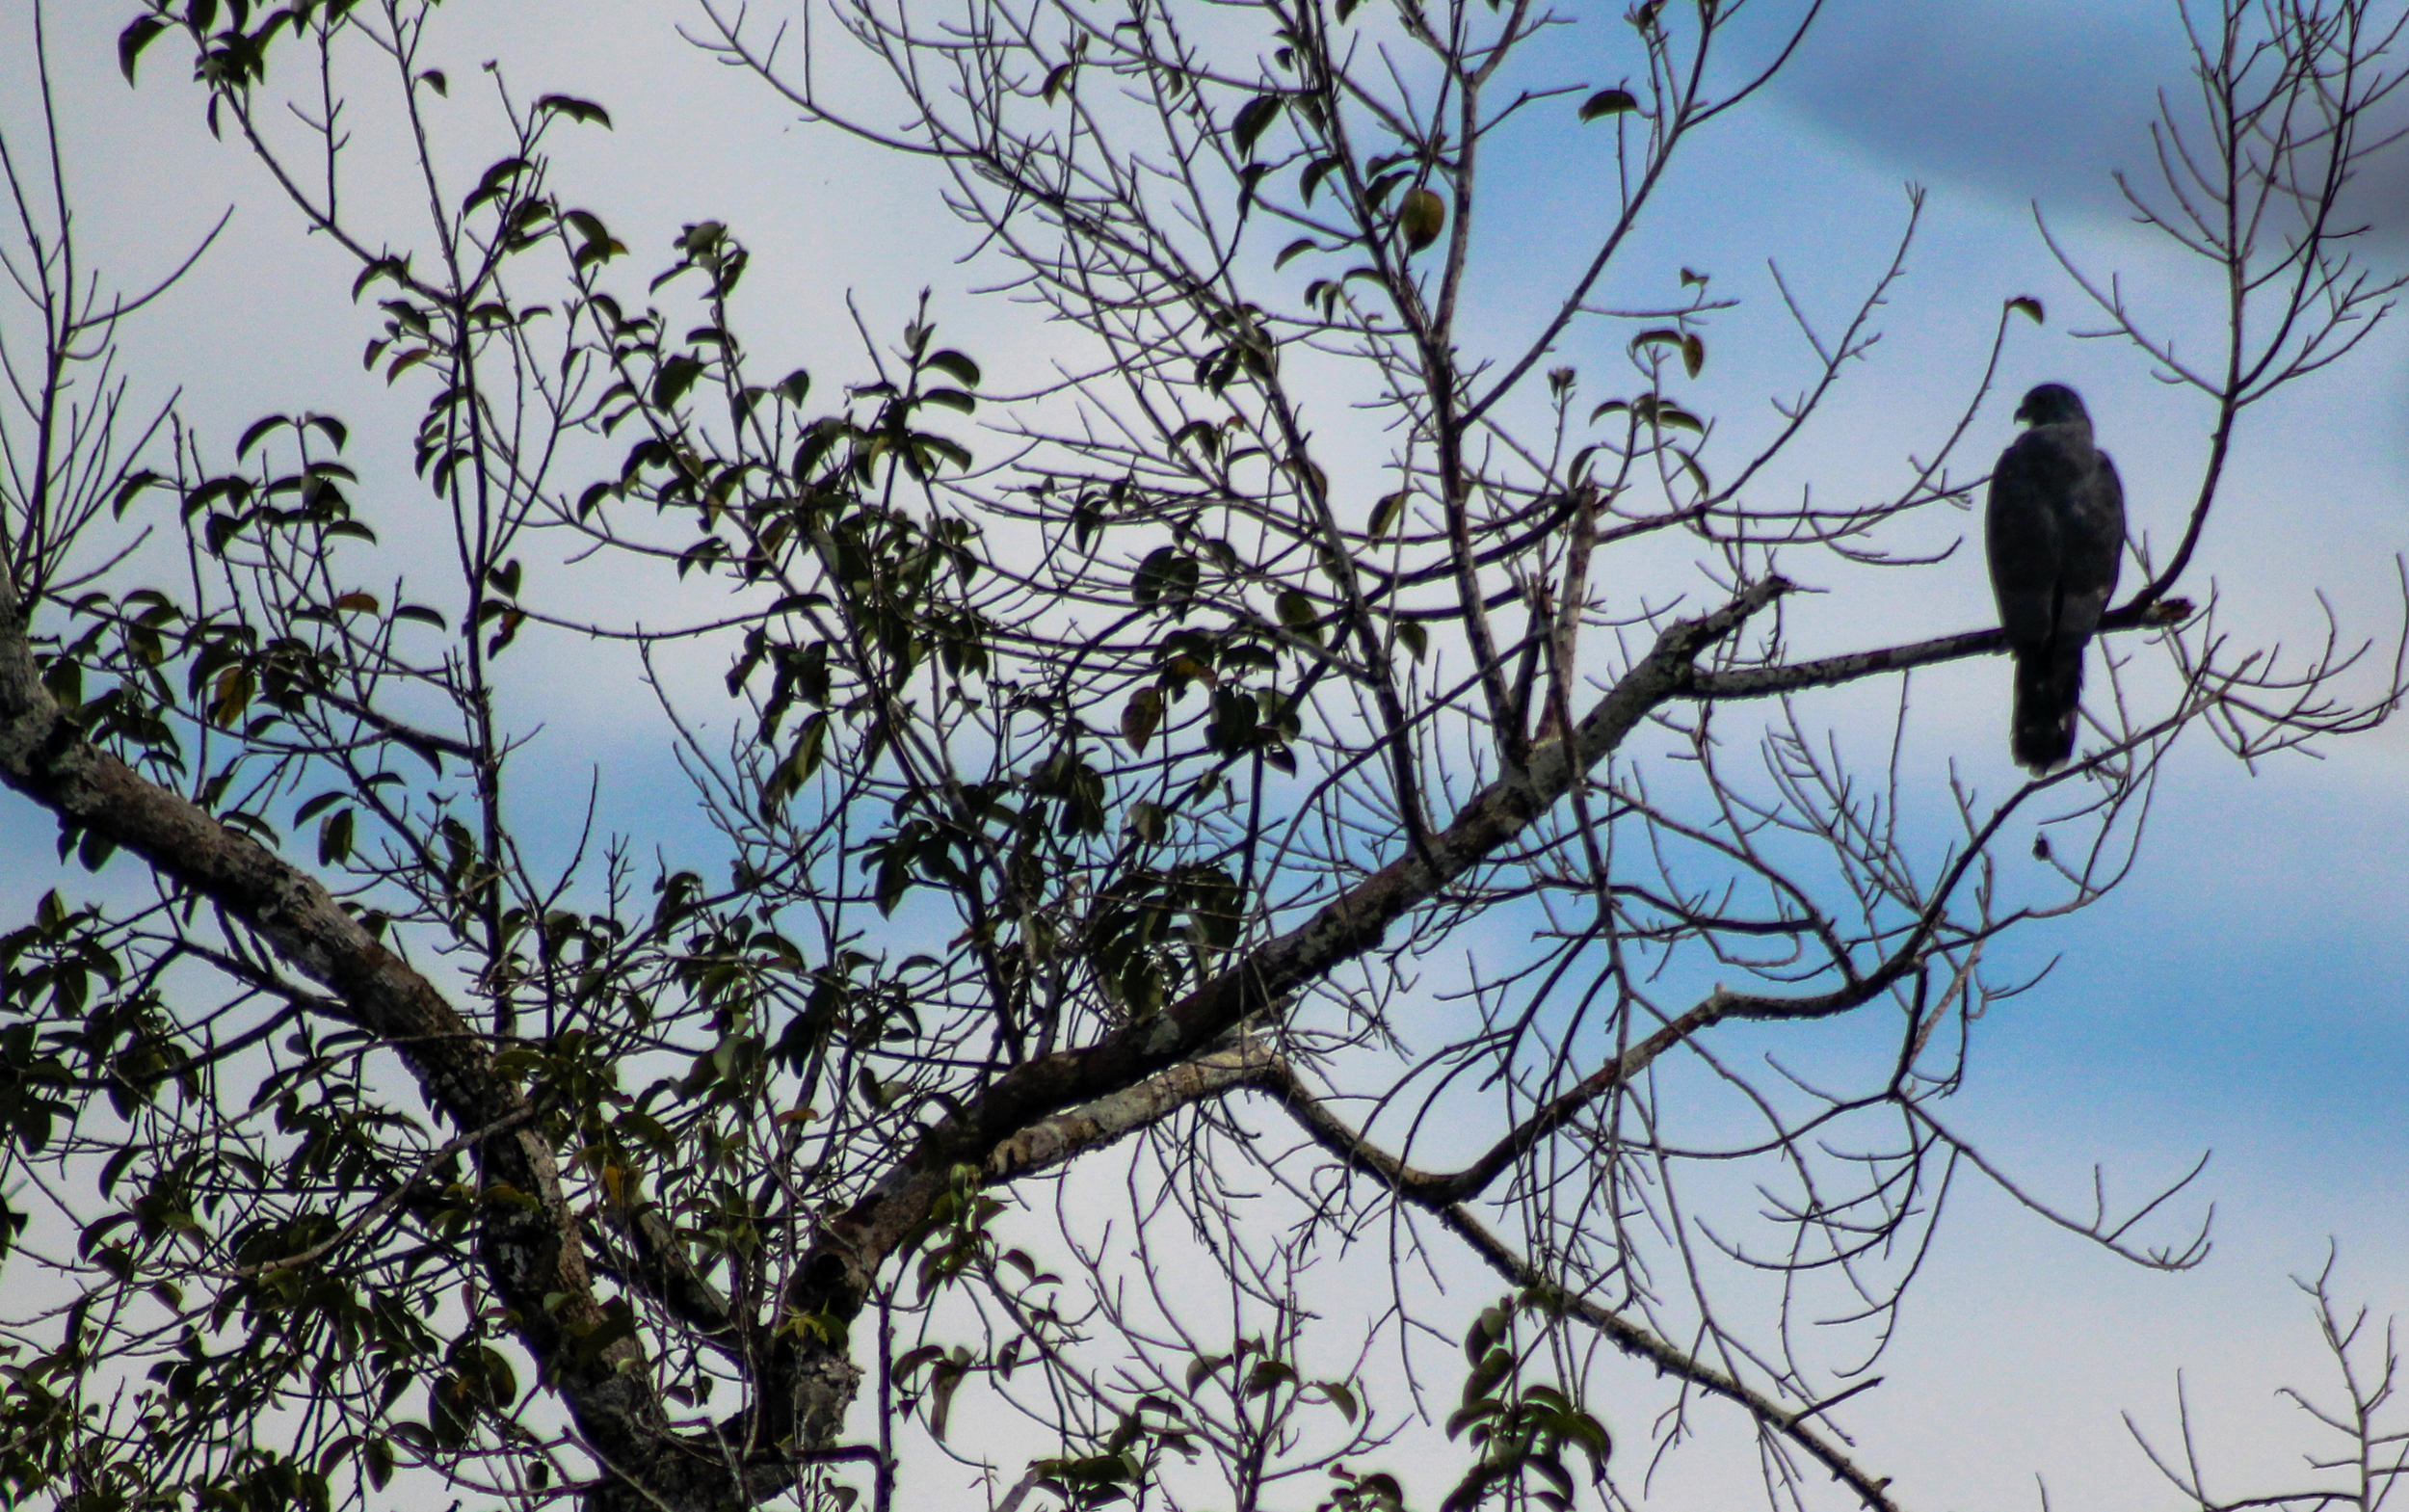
(2247, 994)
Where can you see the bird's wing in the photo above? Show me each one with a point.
(2094, 547)
(2022, 530)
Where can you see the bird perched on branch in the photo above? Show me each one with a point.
(2056, 529)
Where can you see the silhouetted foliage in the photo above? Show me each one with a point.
(1190, 863)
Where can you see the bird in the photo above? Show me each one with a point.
(2055, 527)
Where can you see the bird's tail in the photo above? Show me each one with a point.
(2049, 694)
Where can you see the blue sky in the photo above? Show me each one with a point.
(2248, 991)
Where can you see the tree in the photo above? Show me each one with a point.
(1111, 778)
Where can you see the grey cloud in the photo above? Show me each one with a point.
(2032, 99)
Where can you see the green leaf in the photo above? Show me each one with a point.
(575, 109)
(1302, 244)
(134, 484)
(1315, 173)
(1253, 118)
(511, 620)
(232, 693)
(1653, 410)
(1297, 612)
(1167, 576)
(93, 850)
(335, 836)
(942, 449)
(1340, 1397)
(1203, 434)
(1608, 103)
(1185, 669)
(259, 429)
(2026, 304)
(677, 375)
(382, 268)
(1268, 1376)
(818, 441)
(810, 749)
(136, 37)
(319, 804)
(496, 182)
(1422, 216)
(1140, 717)
(377, 1457)
(1591, 1435)
(1695, 469)
(1387, 513)
(1250, 177)
(953, 365)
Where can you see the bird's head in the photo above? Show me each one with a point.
(2052, 403)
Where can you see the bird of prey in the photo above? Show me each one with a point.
(2056, 529)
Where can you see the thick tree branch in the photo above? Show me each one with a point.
(1757, 683)
(530, 1245)
(837, 1276)
(1068, 1135)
